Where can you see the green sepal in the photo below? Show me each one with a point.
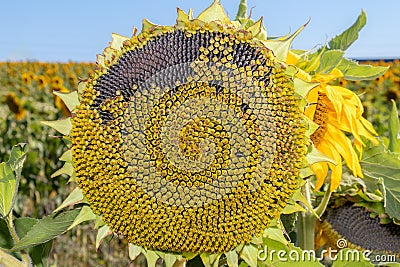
(302, 87)
(214, 12)
(66, 156)
(356, 259)
(134, 251)
(62, 126)
(232, 258)
(275, 231)
(210, 260)
(82, 84)
(168, 258)
(258, 30)
(71, 100)
(86, 214)
(67, 169)
(249, 254)
(281, 46)
(151, 257)
(75, 197)
(102, 233)
(117, 41)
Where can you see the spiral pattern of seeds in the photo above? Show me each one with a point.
(191, 140)
(355, 225)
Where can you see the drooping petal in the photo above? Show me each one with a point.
(312, 98)
(321, 171)
(343, 145)
(336, 170)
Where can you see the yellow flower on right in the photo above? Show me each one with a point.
(337, 111)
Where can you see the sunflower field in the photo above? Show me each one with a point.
(205, 143)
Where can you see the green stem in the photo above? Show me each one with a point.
(27, 262)
(324, 203)
(306, 223)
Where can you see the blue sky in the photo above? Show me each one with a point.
(78, 30)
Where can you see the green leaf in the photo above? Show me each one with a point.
(394, 129)
(355, 72)
(349, 36)
(39, 253)
(71, 100)
(249, 254)
(86, 214)
(292, 208)
(10, 174)
(46, 229)
(102, 233)
(242, 11)
(350, 258)
(232, 258)
(382, 167)
(329, 60)
(63, 126)
(75, 197)
(299, 197)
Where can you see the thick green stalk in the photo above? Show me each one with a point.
(27, 262)
(324, 203)
(306, 223)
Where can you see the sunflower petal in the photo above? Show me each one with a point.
(343, 145)
(321, 171)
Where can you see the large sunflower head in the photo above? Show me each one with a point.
(189, 137)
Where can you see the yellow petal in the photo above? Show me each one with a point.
(368, 126)
(344, 147)
(292, 58)
(312, 98)
(336, 170)
(321, 170)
